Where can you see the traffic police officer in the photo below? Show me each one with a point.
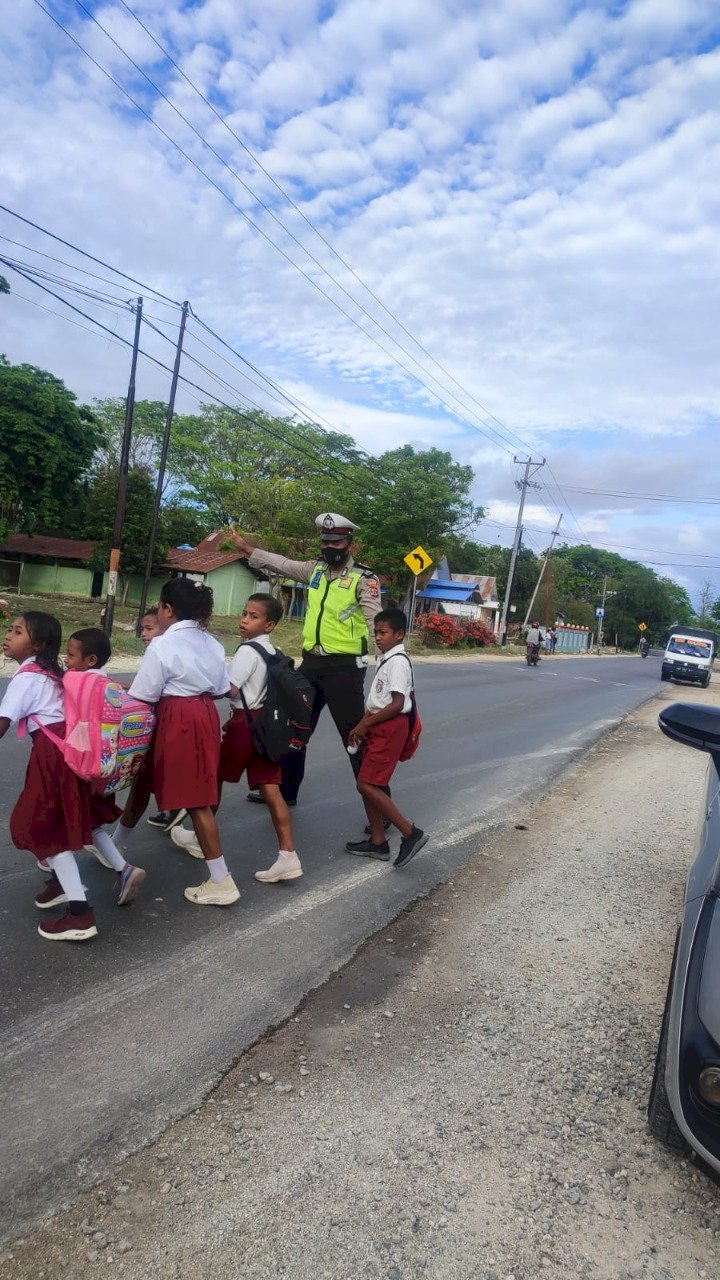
(343, 598)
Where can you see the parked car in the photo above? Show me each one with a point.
(684, 1106)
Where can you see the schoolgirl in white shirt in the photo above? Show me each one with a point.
(182, 673)
(52, 817)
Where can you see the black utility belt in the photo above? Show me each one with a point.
(330, 659)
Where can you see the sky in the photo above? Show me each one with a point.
(488, 227)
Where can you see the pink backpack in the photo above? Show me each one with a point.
(107, 733)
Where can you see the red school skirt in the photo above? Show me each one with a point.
(54, 811)
(186, 752)
(237, 754)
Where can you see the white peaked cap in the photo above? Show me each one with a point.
(331, 522)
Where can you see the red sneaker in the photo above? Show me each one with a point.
(70, 928)
(52, 895)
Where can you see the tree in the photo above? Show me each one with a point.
(147, 433)
(705, 605)
(175, 525)
(419, 498)
(47, 442)
(4, 286)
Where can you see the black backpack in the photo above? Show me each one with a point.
(284, 722)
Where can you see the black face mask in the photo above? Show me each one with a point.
(334, 556)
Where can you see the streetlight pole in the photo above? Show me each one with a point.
(163, 463)
(122, 480)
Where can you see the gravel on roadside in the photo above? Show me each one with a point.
(465, 1100)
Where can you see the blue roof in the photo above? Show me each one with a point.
(436, 590)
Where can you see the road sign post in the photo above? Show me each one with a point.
(417, 562)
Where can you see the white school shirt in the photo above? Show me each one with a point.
(393, 675)
(247, 671)
(30, 694)
(184, 662)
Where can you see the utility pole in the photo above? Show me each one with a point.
(163, 463)
(122, 480)
(523, 486)
(542, 570)
(601, 619)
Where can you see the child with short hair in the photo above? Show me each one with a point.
(88, 651)
(247, 672)
(383, 733)
(182, 673)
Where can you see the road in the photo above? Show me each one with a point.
(105, 1044)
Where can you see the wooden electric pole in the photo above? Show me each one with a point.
(122, 480)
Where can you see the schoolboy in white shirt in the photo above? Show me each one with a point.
(247, 673)
(382, 733)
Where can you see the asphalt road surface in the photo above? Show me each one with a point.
(103, 1044)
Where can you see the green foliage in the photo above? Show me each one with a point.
(47, 442)
(4, 286)
(423, 499)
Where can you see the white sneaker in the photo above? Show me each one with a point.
(186, 840)
(286, 867)
(210, 894)
(100, 856)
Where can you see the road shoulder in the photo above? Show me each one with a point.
(466, 1097)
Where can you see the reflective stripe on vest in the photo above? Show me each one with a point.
(334, 618)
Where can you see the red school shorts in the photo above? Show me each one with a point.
(238, 755)
(381, 751)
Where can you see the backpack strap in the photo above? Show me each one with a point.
(34, 669)
(259, 648)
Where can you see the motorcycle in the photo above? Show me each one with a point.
(532, 655)
(644, 648)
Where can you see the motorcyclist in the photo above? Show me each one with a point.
(533, 639)
(644, 647)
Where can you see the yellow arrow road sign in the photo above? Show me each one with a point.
(418, 560)
(642, 626)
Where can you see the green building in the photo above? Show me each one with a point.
(33, 564)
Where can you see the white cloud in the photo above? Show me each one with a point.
(529, 188)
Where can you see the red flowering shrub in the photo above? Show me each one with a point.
(438, 630)
(477, 634)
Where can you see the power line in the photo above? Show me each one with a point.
(188, 381)
(286, 196)
(645, 497)
(487, 432)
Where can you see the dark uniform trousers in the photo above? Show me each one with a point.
(338, 683)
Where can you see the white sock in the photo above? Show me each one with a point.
(218, 869)
(104, 844)
(122, 836)
(68, 873)
(287, 853)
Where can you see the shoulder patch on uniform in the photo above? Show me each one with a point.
(373, 585)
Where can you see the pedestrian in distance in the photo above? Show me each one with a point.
(382, 735)
(548, 641)
(88, 651)
(343, 599)
(248, 675)
(182, 673)
(53, 817)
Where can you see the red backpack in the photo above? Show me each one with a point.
(414, 721)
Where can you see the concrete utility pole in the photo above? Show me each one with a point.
(601, 619)
(543, 566)
(122, 480)
(163, 464)
(523, 486)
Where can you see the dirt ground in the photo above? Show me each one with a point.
(466, 1099)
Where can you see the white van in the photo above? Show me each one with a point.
(689, 656)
